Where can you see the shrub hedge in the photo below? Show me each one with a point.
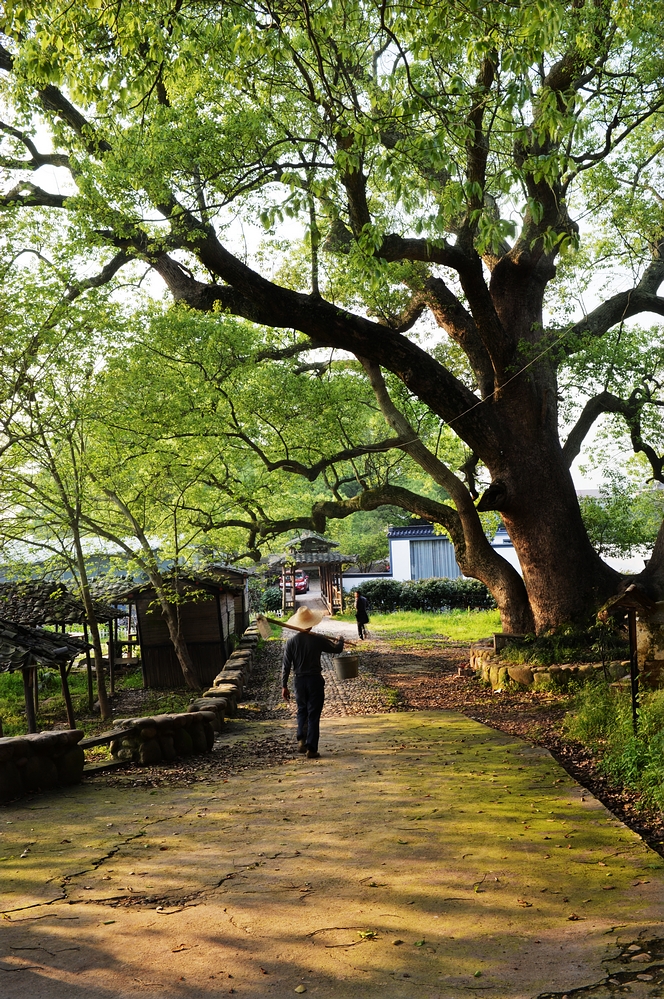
(389, 595)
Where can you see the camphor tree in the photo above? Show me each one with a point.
(437, 161)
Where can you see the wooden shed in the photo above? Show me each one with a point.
(213, 607)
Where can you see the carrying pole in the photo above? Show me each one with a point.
(263, 624)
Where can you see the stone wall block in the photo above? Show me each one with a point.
(11, 785)
(208, 728)
(198, 739)
(182, 742)
(167, 746)
(39, 773)
(70, 765)
(149, 752)
(521, 674)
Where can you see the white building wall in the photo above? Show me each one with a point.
(400, 558)
(354, 579)
(509, 554)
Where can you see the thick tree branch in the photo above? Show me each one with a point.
(31, 196)
(37, 159)
(619, 307)
(258, 299)
(55, 101)
(311, 472)
(473, 552)
(458, 322)
(105, 275)
(605, 402)
(386, 495)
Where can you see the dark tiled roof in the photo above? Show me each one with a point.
(35, 603)
(227, 578)
(21, 646)
(310, 541)
(417, 531)
(314, 558)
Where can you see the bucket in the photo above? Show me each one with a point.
(346, 666)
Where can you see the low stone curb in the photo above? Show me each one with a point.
(492, 670)
(147, 741)
(39, 761)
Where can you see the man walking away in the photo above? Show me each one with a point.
(302, 655)
(361, 613)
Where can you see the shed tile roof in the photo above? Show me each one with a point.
(37, 602)
(21, 646)
(224, 577)
(313, 558)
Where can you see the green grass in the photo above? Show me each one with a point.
(51, 701)
(569, 644)
(602, 720)
(52, 704)
(459, 625)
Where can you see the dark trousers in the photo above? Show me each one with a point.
(361, 628)
(309, 697)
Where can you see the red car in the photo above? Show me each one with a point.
(301, 581)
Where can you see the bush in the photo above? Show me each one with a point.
(263, 597)
(271, 599)
(382, 594)
(435, 595)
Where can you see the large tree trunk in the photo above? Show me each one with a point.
(565, 577)
(532, 488)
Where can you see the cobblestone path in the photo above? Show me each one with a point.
(364, 695)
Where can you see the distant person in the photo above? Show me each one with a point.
(302, 655)
(361, 613)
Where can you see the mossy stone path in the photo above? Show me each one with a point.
(423, 855)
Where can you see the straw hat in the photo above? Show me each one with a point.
(304, 617)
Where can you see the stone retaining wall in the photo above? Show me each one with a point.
(491, 669)
(164, 737)
(39, 761)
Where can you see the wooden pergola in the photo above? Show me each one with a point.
(313, 551)
(38, 602)
(29, 649)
